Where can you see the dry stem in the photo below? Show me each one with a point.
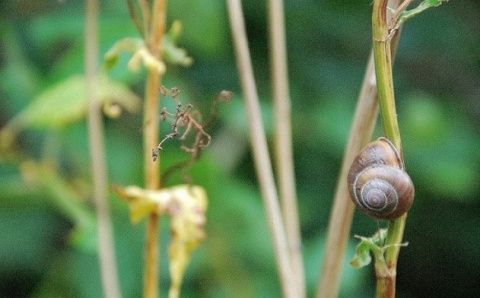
(283, 140)
(150, 140)
(260, 150)
(342, 211)
(106, 251)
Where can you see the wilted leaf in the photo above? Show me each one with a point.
(139, 52)
(186, 205)
(127, 45)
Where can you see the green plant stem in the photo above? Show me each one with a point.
(383, 66)
(106, 251)
(283, 140)
(260, 150)
(383, 71)
(153, 40)
(342, 210)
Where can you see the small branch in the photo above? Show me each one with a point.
(283, 140)
(106, 251)
(259, 148)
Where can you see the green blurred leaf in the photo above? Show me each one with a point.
(171, 52)
(453, 178)
(204, 24)
(127, 45)
(43, 177)
(66, 102)
(84, 235)
(439, 147)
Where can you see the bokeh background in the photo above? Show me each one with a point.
(45, 252)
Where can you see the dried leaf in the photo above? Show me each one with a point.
(186, 205)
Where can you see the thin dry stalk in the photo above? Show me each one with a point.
(152, 181)
(283, 139)
(106, 250)
(260, 150)
(342, 211)
(150, 141)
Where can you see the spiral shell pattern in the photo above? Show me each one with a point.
(377, 182)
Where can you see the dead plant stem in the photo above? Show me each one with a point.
(153, 39)
(258, 142)
(283, 140)
(342, 210)
(106, 250)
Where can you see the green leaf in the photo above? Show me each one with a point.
(43, 177)
(84, 235)
(127, 45)
(362, 257)
(408, 14)
(66, 102)
(171, 52)
(374, 244)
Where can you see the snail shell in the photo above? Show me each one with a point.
(377, 182)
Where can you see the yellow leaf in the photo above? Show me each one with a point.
(187, 206)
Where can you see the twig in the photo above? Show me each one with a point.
(283, 140)
(259, 147)
(106, 251)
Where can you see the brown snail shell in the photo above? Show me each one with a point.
(378, 183)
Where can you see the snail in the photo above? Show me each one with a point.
(378, 183)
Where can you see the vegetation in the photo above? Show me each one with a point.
(48, 220)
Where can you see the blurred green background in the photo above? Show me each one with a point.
(46, 249)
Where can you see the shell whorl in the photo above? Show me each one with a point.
(377, 182)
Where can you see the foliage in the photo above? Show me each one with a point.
(436, 75)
